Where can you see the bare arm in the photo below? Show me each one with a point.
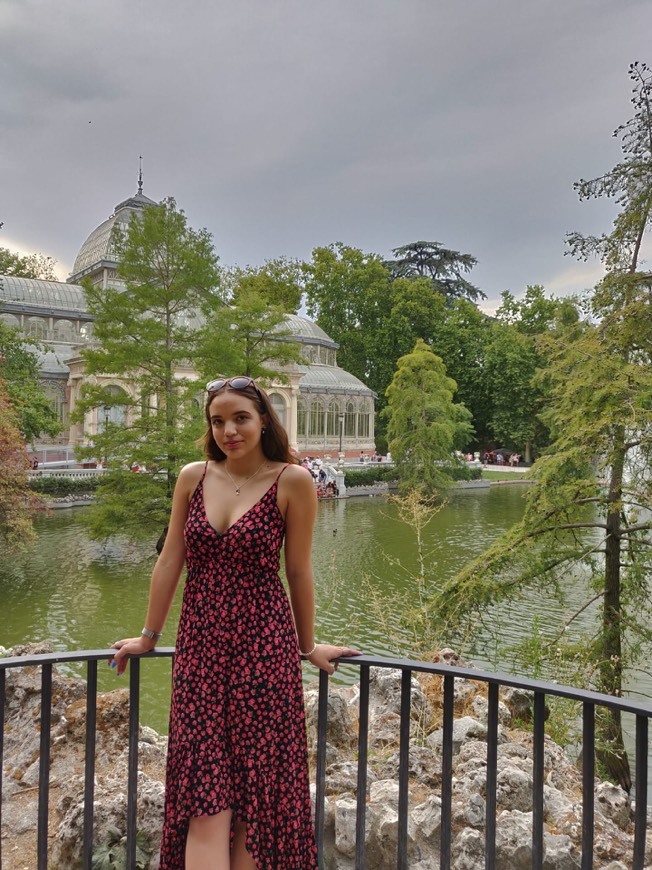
(167, 570)
(299, 522)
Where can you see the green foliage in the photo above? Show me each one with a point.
(27, 266)
(21, 373)
(146, 335)
(17, 503)
(63, 486)
(424, 425)
(113, 854)
(279, 282)
(249, 337)
(376, 473)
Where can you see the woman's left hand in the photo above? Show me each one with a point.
(325, 652)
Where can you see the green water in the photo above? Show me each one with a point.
(80, 594)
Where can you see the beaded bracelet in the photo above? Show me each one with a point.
(308, 654)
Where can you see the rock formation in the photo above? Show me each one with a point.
(562, 789)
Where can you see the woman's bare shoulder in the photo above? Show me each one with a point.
(297, 481)
(190, 475)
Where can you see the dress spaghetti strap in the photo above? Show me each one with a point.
(280, 472)
(204, 474)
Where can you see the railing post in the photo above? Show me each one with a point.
(640, 816)
(132, 769)
(44, 768)
(404, 769)
(363, 750)
(89, 763)
(588, 784)
(538, 759)
(2, 745)
(492, 767)
(447, 772)
(320, 776)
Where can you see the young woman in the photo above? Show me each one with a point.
(237, 789)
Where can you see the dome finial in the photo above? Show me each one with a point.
(140, 174)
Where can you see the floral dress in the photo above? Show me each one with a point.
(237, 725)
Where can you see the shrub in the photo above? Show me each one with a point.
(59, 487)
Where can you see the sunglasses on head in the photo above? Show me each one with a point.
(241, 382)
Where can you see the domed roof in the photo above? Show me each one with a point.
(331, 379)
(307, 332)
(98, 248)
(33, 292)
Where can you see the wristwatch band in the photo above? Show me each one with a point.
(152, 635)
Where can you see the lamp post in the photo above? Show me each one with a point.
(341, 455)
(107, 417)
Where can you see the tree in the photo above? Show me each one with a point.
(27, 266)
(444, 268)
(511, 364)
(147, 335)
(17, 502)
(587, 515)
(34, 412)
(248, 338)
(424, 425)
(278, 281)
(348, 293)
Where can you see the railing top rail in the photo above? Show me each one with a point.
(625, 704)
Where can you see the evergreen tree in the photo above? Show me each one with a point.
(424, 426)
(147, 335)
(444, 268)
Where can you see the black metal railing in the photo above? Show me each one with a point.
(589, 701)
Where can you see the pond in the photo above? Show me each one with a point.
(80, 594)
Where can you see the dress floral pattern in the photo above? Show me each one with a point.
(237, 724)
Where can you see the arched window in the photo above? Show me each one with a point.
(349, 420)
(316, 418)
(10, 320)
(36, 327)
(64, 331)
(363, 420)
(113, 414)
(278, 403)
(55, 396)
(333, 419)
(301, 417)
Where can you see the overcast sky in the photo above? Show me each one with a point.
(284, 124)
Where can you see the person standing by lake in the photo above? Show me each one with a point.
(237, 787)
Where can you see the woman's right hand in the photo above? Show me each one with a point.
(130, 646)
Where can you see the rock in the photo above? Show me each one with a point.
(613, 803)
(514, 840)
(424, 766)
(481, 710)
(110, 812)
(340, 732)
(427, 822)
(343, 777)
(475, 811)
(519, 703)
(464, 729)
(468, 850)
(345, 823)
(385, 694)
(560, 853)
(514, 788)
